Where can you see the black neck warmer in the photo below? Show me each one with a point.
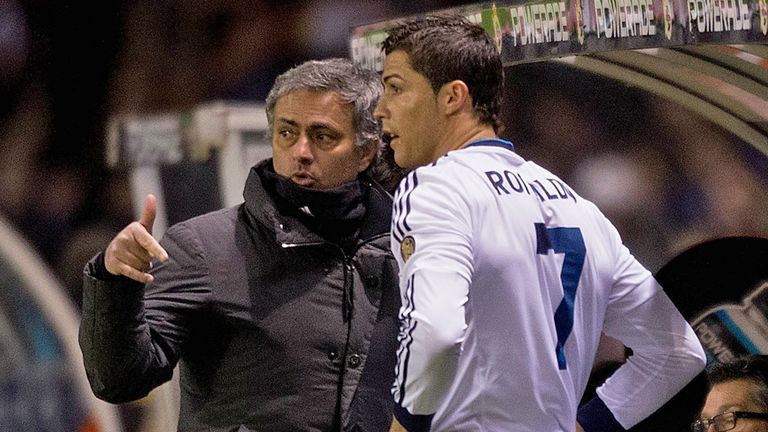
(335, 214)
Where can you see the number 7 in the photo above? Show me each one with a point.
(570, 242)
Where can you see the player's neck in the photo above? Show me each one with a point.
(480, 133)
(462, 131)
(458, 137)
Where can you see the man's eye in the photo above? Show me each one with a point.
(325, 139)
(284, 133)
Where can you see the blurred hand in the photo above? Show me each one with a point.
(131, 252)
(396, 426)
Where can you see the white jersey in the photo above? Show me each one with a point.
(507, 279)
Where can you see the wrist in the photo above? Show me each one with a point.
(99, 269)
(594, 416)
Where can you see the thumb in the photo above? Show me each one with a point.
(148, 213)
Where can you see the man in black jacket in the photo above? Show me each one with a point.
(282, 311)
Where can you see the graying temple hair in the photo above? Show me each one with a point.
(353, 84)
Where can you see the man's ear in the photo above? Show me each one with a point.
(367, 153)
(454, 97)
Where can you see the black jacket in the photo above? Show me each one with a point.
(274, 328)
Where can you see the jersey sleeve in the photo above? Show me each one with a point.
(431, 233)
(666, 352)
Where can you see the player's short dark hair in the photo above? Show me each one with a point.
(444, 48)
(753, 368)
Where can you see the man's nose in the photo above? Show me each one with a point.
(302, 149)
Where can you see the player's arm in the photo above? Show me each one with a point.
(666, 351)
(431, 241)
(666, 356)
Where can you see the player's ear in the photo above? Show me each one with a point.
(454, 97)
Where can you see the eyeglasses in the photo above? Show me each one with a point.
(725, 421)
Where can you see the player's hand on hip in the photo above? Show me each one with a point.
(131, 252)
(396, 426)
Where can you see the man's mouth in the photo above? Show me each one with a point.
(303, 179)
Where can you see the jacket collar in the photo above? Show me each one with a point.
(261, 208)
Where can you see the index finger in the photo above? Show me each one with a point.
(149, 244)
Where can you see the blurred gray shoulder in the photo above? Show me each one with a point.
(214, 227)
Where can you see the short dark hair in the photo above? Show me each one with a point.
(444, 48)
(753, 368)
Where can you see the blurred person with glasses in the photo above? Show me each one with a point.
(738, 397)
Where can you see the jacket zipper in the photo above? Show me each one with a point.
(347, 306)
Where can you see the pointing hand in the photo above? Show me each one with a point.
(131, 252)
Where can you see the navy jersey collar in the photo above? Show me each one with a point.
(492, 142)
